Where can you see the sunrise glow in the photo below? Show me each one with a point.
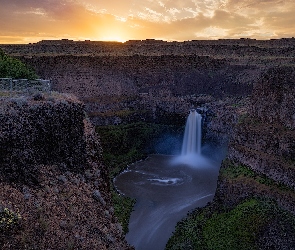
(121, 20)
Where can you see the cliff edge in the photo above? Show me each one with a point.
(52, 178)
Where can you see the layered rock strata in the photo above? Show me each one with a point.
(53, 177)
(264, 137)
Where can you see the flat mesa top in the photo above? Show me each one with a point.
(149, 47)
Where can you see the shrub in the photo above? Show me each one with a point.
(14, 68)
(237, 229)
(8, 218)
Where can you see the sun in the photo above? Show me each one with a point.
(113, 32)
(113, 38)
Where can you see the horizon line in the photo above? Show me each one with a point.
(149, 40)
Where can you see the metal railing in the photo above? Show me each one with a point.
(23, 86)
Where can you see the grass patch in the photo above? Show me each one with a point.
(110, 99)
(214, 228)
(123, 207)
(120, 113)
(127, 143)
(246, 119)
(238, 228)
(4, 93)
(232, 171)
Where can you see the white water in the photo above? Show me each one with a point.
(192, 142)
(192, 134)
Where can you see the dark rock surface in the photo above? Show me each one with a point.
(48, 132)
(153, 81)
(52, 175)
(273, 98)
(122, 82)
(264, 137)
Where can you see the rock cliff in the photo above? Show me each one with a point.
(149, 81)
(53, 177)
(120, 82)
(264, 137)
(43, 131)
(260, 161)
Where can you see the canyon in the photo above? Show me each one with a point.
(115, 79)
(243, 88)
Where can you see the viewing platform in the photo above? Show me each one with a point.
(13, 87)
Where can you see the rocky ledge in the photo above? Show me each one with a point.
(52, 178)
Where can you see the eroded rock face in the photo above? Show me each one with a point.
(274, 97)
(264, 137)
(47, 131)
(260, 160)
(115, 87)
(222, 118)
(52, 174)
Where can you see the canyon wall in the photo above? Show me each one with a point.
(260, 160)
(142, 84)
(143, 80)
(52, 175)
(259, 169)
(94, 76)
(264, 137)
(122, 87)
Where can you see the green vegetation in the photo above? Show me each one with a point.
(238, 228)
(244, 118)
(119, 113)
(232, 171)
(123, 207)
(8, 218)
(14, 68)
(122, 145)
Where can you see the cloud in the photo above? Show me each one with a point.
(141, 19)
(189, 28)
(58, 18)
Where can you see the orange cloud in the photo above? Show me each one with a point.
(32, 20)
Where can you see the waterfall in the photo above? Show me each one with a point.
(192, 134)
(191, 146)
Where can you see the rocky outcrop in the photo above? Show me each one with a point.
(95, 76)
(264, 137)
(259, 167)
(52, 175)
(220, 118)
(114, 78)
(45, 131)
(273, 99)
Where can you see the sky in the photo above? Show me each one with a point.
(25, 21)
